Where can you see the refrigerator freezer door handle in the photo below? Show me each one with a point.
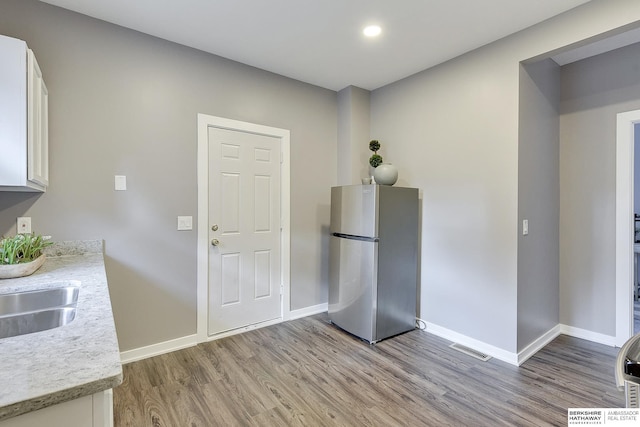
(352, 237)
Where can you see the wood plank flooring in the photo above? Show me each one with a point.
(309, 373)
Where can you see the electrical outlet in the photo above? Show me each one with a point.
(24, 225)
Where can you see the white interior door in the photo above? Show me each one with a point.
(244, 227)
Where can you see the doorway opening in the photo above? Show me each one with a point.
(636, 227)
(625, 227)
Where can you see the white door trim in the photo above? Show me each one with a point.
(624, 224)
(204, 122)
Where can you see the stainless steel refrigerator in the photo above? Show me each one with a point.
(373, 260)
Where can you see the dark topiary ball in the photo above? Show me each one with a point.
(375, 160)
(374, 145)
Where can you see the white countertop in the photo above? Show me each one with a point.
(78, 359)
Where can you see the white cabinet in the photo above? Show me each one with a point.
(89, 411)
(37, 124)
(24, 119)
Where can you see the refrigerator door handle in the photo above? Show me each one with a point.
(352, 237)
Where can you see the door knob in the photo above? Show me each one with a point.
(215, 242)
(214, 227)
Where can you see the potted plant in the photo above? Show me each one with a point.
(376, 159)
(22, 254)
(383, 173)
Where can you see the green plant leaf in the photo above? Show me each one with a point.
(22, 248)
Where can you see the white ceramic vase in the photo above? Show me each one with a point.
(385, 174)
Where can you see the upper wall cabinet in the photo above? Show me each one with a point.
(24, 119)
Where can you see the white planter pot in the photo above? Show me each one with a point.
(385, 174)
(20, 270)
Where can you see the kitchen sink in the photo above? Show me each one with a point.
(40, 310)
(22, 302)
(35, 321)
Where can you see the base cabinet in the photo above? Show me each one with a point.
(89, 411)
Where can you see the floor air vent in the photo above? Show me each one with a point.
(470, 352)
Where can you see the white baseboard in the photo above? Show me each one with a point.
(588, 335)
(512, 358)
(520, 357)
(538, 344)
(158, 349)
(191, 340)
(473, 343)
(307, 311)
(561, 329)
(244, 329)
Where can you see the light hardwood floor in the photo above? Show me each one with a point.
(308, 373)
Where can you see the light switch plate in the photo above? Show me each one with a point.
(525, 227)
(24, 225)
(121, 182)
(185, 223)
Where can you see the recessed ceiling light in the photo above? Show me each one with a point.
(372, 31)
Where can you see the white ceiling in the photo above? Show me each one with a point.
(320, 41)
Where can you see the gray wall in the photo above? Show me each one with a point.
(538, 200)
(453, 132)
(353, 135)
(445, 131)
(122, 102)
(126, 103)
(593, 92)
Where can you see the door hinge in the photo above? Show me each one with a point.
(281, 157)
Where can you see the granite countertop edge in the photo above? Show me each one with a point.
(41, 402)
(72, 361)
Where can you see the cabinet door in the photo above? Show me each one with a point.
(37, 124)
(13, 112)
(89, 411)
